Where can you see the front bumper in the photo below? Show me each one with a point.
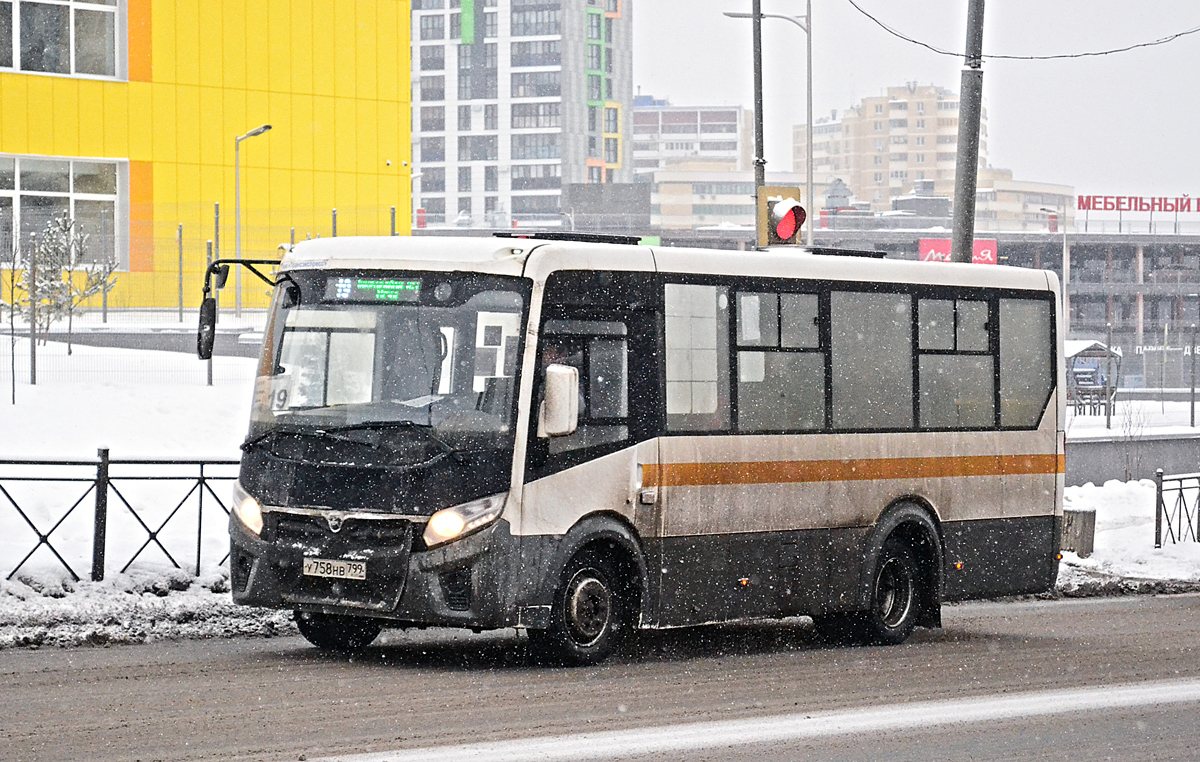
(465, 583)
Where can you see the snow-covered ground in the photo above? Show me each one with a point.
(142, 404)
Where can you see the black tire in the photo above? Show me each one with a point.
(590, 614)
(895, 603)
(334, 632)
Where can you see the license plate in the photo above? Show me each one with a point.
(323, 567)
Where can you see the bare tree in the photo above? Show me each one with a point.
(64, 278)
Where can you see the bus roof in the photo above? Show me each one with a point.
(509, 256)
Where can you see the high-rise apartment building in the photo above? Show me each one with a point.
(679, 137)
(512, 99)
(883, 145)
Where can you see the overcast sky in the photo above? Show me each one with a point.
(1118, 124)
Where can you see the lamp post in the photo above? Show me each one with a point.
(1066, 265)
(237, 213)
(805, 23)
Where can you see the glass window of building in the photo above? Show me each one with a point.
(612, 150)
(433, 88)
(34, 191)
(491, 117)
(534, 23)
(491, 178)
(64, 37)
(464, 179)
(595, 25)
(433, 58)
(433, 118)
(612, 120)
(433, 27)
(433, 179)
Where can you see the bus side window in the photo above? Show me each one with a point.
(1026, 365)
(781, 382)
(956, 366)
(697, 339)
(871, 350)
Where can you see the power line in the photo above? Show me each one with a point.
(940, 51)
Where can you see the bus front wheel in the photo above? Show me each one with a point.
(895, 602)
(589, 616)
(332, 632)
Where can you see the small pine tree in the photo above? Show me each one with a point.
(64, 279)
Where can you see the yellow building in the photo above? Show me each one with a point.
(124, 113)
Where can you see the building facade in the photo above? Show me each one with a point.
(123, 114)
(710, 198)
(512, 99)
(883, 145)
(677, 137)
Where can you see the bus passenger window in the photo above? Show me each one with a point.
(798, 321)
(697, 338)
(758, 320)
(781, 391)
(1026, 367)
(956, 367)
(972, 325)
(872, 360)
(956, 391)
(780, 388)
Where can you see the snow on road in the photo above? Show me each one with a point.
(155, 405)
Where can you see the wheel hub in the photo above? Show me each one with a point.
(589, 607)
(894, 593)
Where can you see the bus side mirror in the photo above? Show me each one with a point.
(207, 333)
(560, 410)
(222, 276)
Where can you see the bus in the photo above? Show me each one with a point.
(583, 439)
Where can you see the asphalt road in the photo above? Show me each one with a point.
(1072, 680)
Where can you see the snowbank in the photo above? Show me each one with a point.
(133, 608)
(1124, 559)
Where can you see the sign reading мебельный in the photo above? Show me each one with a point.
(1137, 204)
(938, 250)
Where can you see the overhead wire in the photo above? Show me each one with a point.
(1087, 54)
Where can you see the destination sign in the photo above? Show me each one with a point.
(354, 289)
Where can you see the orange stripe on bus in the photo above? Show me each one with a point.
(791, 471)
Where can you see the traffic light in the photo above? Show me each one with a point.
(780, 216)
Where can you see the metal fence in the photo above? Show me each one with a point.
(1175, 517)
(139, 508)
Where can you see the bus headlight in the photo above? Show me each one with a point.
(247, 508)
(460, 520)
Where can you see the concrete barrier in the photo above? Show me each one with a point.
(1100, 459)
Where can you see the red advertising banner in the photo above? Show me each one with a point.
(938, 250)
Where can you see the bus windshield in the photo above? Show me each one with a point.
(389, 368)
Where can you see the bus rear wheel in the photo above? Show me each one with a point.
(895, 603)
(589, 615)
(335, 632)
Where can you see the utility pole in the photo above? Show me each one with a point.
(809, 200)
(760, 163)
(966, 170)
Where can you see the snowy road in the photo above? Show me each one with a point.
(276, 699)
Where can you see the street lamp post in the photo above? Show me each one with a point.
(805, 23)
(1066, 265)
(237, 213)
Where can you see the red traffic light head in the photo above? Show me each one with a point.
(786, 218)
